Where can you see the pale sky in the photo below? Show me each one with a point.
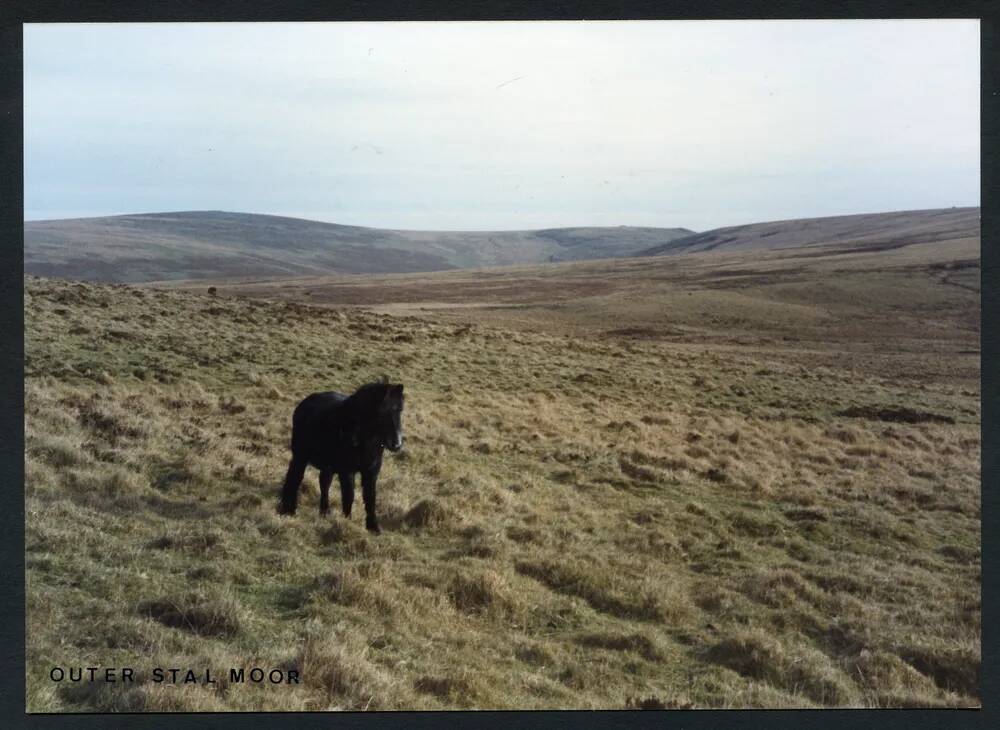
(503, 125)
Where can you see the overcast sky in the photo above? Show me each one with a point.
(503, 125)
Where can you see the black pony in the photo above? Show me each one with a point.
(343, 435)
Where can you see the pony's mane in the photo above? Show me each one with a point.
(369, 395)
(369, 389)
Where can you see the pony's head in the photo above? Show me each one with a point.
(390, 417)
(382, 406)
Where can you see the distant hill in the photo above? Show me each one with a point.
(216, 244)
(877, 231)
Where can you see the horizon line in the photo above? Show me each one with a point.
(489, 230)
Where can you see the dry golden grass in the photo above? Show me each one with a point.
(575, 522)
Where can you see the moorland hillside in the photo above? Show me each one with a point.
(696, 480)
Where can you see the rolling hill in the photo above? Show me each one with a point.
(203, 245)
(848, 232)
(216, 244)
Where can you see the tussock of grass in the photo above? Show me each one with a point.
(953, 668)
(755, 526)
(105, 697)
(201, 612)
(430, 513)
(610, 592)
(359, 585)
(484, 591)
(113, 422)
(170, 698)
(102, 482)
(341, 669)
(447, 689)
(193, 540)
(59, 451)
(758, 655)
(637, 643)
(890, 680)
(484, 544)
(537, 653)
(780, 588)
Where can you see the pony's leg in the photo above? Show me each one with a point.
(325, 477)
(368, 480)
(346, 492)
(290, 492)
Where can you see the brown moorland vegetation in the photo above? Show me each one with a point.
(654, 482)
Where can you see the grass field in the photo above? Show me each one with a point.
(716, 482)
